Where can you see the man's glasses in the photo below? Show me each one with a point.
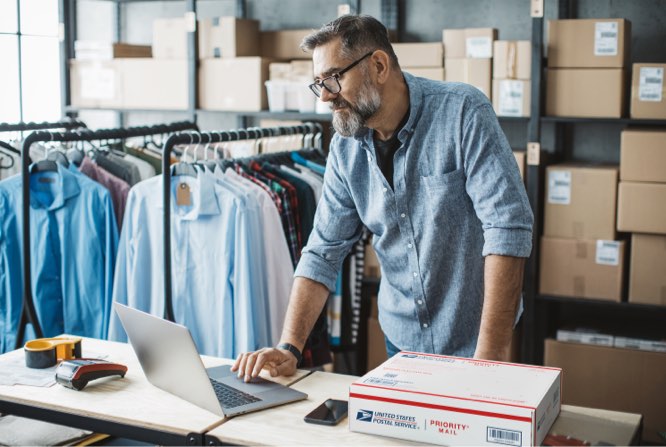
(332, 83)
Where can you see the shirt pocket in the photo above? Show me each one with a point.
(446, 196)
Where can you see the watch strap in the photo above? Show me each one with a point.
(293, 349)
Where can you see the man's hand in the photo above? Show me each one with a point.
(279, 362)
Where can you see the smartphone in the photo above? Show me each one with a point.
(329, 413)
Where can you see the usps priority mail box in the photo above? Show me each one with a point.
(456, 401)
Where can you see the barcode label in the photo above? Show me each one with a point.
(605, 38)
(510, 98)
(559, 187)
(378, 381)
(651, 84)
(503, 436)
(608, 253)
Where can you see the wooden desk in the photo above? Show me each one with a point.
(129, 407)
(285, 425)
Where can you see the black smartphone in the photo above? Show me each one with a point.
(329, 413)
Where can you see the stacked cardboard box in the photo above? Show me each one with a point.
(642, 211)
(468, 56)
(511, 77)
(421, 59)
(579, 254)
(287, 86)
(648, 91)
(587, 61)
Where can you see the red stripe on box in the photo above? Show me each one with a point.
(483, 361)
(441, 407)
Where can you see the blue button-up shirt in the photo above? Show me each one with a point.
(457, 197)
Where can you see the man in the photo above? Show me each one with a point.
(426, 168)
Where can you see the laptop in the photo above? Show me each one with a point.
(169, 358)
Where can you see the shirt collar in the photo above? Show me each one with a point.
(204, 198)
(66, 187)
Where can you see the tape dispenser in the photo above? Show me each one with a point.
(46, 352)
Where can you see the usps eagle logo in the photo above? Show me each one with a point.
(364, 416)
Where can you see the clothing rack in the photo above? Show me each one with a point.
(28, 312)
(22, 127)
(184, 138)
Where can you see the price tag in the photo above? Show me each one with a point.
(183, 195)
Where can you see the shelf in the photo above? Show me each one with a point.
(602, 303)
(279, 115)
(616, 121)
(105, 109)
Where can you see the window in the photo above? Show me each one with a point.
(30, 54)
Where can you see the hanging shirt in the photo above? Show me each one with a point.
(74, 241)
(118, 188)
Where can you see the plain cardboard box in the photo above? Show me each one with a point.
(436, 74)
(96, 50)
(234, 84)
(476, 72)
(512, 59)
(520, 157)
(648, 91)
(614, 379)
(643, 156)
(95, 84)
(511, 97)
(154, 84)
(455, 401)
(228, 37)
(586, 92)
(284, 44)
(580, 201)
(469, 43)
(170, 38)
(582, 268)
(421, 54)
(642, 207)
(589, 43)
(647, 269)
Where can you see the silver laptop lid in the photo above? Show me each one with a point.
(169, 357)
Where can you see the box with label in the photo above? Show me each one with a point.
(647, 275)
(580, 202)
(511, 97)
(642, 207)
(95, 83)
(586, 337)
(421, 54)
(284, 44)
(643, 156)
(455, 401)
(154, 84)
(589, 43)
(512, 59)
(234, 84)
(521, 159)
(228, 37)
(614, 379)
(469, 43)
(170, 38)
(581, 92)
(96, 50)
(582, 268)
(476, 72)
(640, 343)
(436, 74)
(648, 91)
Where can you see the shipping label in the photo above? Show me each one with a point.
(651, 84)
(605, 38)
(608, 253)
(559, 187)
(479, 47)
(510, 98)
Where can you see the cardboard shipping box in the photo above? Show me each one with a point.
(170, 38)
(154, 84)
(234, 84)
(589, 43)
(455, 401)
(580, 202)
(512, 59)
(228, 37)
(511, 97)
(421, 54)
(436, 74)
(642, 207)
(586, 92)
(647, 269)
(614, 379)
(95, 84)
(476, 72)
(469, 43)
(96, 50)
(582, 268)
(284, 44)
(648, 91)
(643, 156)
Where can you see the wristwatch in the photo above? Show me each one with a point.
(293, 349)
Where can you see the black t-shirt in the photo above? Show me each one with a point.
(385, 150)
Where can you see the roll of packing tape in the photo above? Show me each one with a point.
(45, 352)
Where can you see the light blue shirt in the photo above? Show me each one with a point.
(457, 198)
(73, 251)
(212, 265)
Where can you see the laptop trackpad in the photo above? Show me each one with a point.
(225, 375)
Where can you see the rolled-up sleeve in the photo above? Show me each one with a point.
(495, 187)
(337, 227)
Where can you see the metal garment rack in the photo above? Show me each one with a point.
(183, 138)
(28, 313)
(23, 127)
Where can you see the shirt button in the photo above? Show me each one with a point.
(369, 158)
(415, 274)
(425, 325)
(409, 245)
(385, 189)
(419, 302)
(402, 215)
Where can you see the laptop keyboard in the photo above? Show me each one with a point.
(230, 397)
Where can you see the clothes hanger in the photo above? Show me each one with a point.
(185, 168)
(45, 165)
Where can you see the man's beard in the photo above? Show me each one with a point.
(350, 121)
